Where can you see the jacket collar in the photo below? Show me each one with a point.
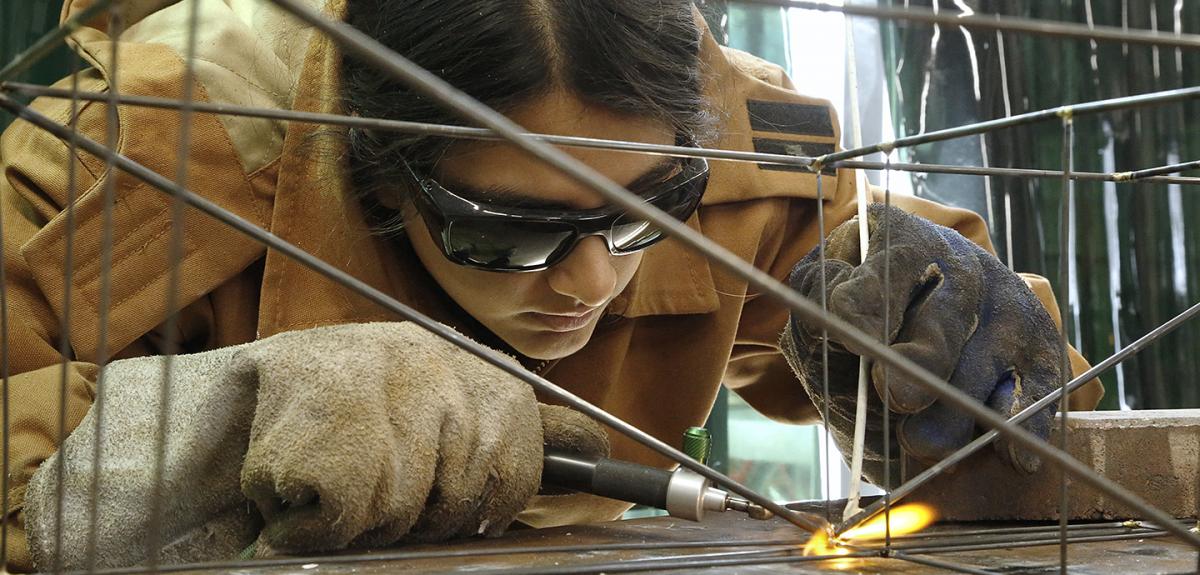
(756, 110)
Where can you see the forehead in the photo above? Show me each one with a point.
(500, 166)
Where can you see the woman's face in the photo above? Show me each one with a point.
(552, 313)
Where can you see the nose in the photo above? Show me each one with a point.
(586, 274)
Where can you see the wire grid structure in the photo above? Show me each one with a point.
(495, 126)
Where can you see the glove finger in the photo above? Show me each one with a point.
(934, 331)
(490, 459)
(306, 509)
(936, 432)
(512, 481)
(514, 470)
(1014, 393)
(326, 462)
(460, 484)
(806, 279)
(907, 250)
(926, 266)
(566, 429)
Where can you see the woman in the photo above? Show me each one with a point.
(643, 328)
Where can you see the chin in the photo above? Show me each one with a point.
(546, 345)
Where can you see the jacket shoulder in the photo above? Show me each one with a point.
(757, 68)
(760, 111)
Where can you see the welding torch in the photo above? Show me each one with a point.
(682, 493)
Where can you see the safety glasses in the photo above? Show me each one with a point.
(512, 239)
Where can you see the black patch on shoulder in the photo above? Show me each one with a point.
(786, 118)
(789, 148)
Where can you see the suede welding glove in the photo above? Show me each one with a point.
(204, 516)
(368, 434)
(357, 434)
(954, 310)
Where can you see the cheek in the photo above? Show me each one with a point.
(625, 267)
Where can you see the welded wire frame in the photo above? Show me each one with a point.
(498, 127)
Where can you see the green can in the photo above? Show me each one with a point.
(697, 443)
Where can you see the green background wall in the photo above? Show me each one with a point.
(1137, 247)
(21, 23)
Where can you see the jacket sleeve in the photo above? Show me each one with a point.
(758, 372)
(32, 190)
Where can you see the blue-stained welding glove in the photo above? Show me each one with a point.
(954, 309)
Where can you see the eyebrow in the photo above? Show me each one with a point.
(513, 198)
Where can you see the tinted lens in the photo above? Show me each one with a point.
(506, 244)
(631, 233)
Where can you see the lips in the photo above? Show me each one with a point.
(563, 322)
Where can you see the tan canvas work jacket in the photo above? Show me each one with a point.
(680, 330)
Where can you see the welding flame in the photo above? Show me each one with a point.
(820, 544)
(902, 520)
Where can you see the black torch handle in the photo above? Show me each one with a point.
(606, 477)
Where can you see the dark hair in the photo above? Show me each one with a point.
(631, 56)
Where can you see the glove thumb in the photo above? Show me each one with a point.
(566, 429)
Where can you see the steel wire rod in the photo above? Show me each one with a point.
(804, 520)
(4, 397)
(1035, 543)
(420, 555)
(378, 557)
(1094, 106)
(978, 443)
(170, 346)
(939, 564)
(886, 416)
(998, 22)
(422, 128)
(401, 555)
(1066, 201)
(1020, 530)
(949, 540)
(64, 337)
(824, 310)
(612, 567)
(1014, 172)
(528, 550)
(464, 132)
(670, 564)
(48, 42)
(1150, 172)
(371, 51)
(112, 124)
(911, 539)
